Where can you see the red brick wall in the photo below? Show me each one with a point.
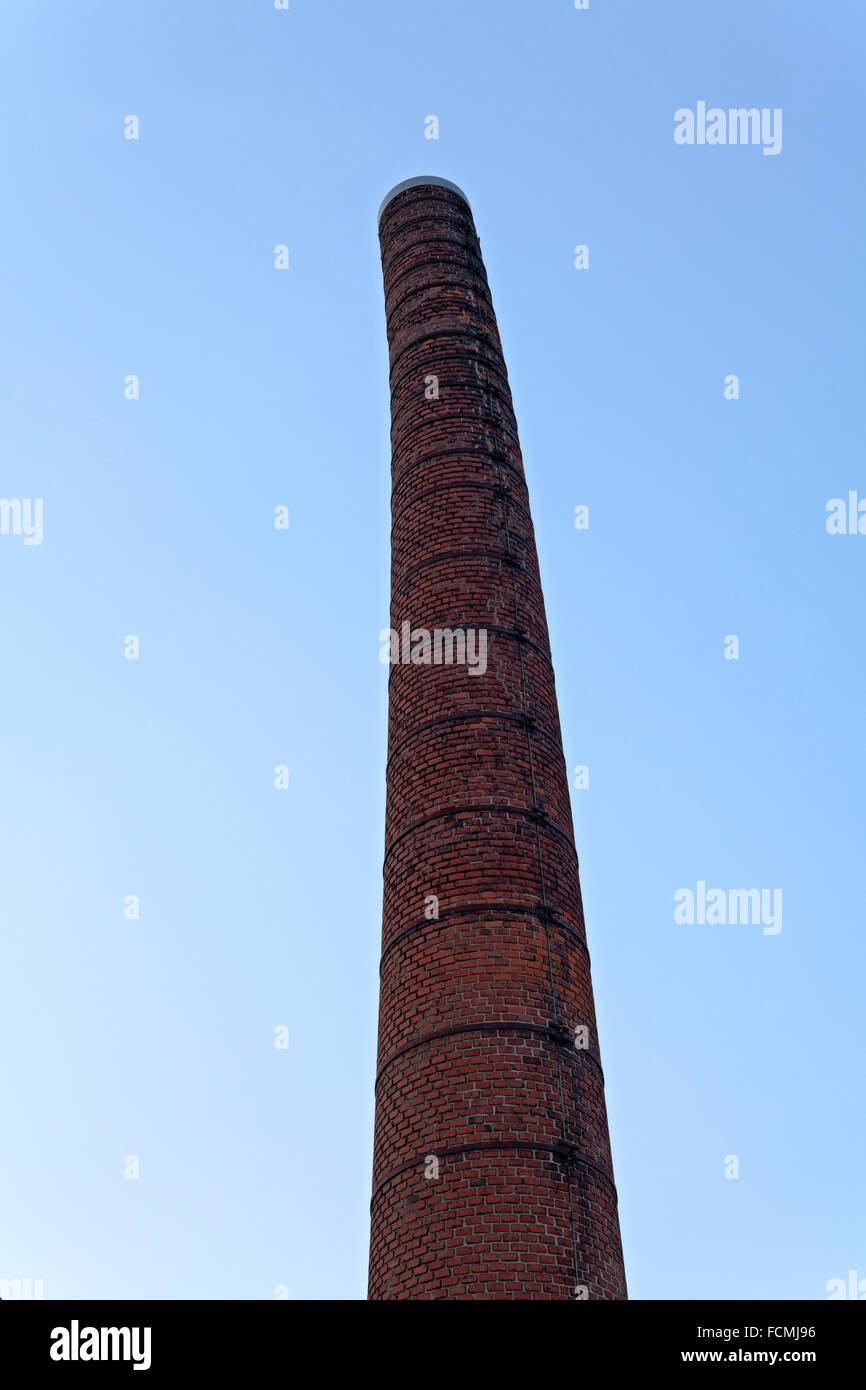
(477, 1064)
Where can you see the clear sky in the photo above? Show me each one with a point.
(258, 387)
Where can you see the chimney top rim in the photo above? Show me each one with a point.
(430, 179)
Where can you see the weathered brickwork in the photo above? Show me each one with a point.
(492, 1170)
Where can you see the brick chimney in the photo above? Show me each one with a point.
(492, 1172)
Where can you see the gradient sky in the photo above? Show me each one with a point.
(259, 647)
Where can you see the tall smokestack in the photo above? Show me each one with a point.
(492, 1171)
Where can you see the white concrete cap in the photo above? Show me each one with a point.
(420, 183)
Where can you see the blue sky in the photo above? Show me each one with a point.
(155, 777)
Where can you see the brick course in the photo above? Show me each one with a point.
(477, 1066)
